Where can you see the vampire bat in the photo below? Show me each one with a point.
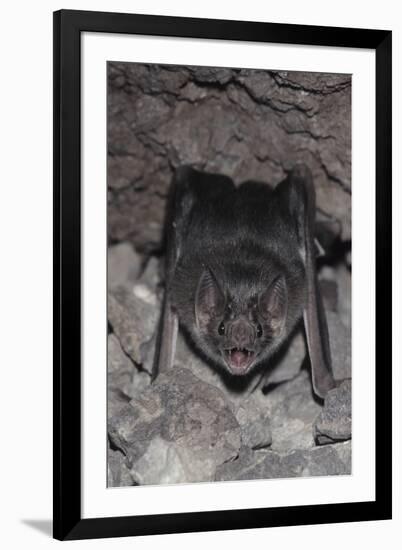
(240, 272)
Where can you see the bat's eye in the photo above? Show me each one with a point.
(221, 329)
(259, 330)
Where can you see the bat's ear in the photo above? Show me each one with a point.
(297, 203)
(273, 304)
(298, 191)
(209, 299)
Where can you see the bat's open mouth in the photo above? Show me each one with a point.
(239, 360)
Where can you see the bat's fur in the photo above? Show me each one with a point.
(228, 236)
(240, 270)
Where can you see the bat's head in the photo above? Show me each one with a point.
(241, 325)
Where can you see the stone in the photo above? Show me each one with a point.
(254, 423)
(292, 410)
(247, 124)
(118, 475)
(116, 401)
(150, 277)
(283, 417)
(289, 361)
(285, 366)
(329, 293)
(344, 280)
(123, 265)
(169, 432)
(177, 431)
(120, 368)
(334, 422)
(141, 380)
(327, 229)
(134, 320)
(247, 405)
(235, 388)
(341, 346)
(161, 464)
(123, 375)
(267, 464)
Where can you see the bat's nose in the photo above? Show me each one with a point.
(241, 333)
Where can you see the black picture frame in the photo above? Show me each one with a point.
(68, 522)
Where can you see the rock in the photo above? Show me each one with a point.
(261, 415)
(118, 475)
(252, 417)
(190, 424)
(284, 417)
(285, 366)
(329, 292)
(334, 423)
(134, 320)
(327, 277)
(148, 353)
(206, 75)
(317, 461)
(132, 428)
(141, 380)
(123, 375)
(235, 388)
(344, 279)
(327, 229)
(120, 368)
(123, 265)
(116, 401)
(150, 277)
(292, 410)
(289, 362)
(177, 431)
(341, 348)
(250, 124)
(162, 463)
(146, 293)
(249, 408)
(254, 422)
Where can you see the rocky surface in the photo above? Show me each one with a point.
(334, 423)
(124, 265)
(133, 317)
(248, 124)
(118, 474)
(123, 376)
(178, 430)
(317, 461)
(196, 423)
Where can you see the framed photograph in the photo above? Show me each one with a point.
(214, 183)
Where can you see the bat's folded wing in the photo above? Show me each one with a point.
(299, 194)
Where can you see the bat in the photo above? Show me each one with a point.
(240, 272)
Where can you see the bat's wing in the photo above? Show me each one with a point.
(178, 212)
(298, 191)
(191, 191)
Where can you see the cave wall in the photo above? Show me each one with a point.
(245, 123)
